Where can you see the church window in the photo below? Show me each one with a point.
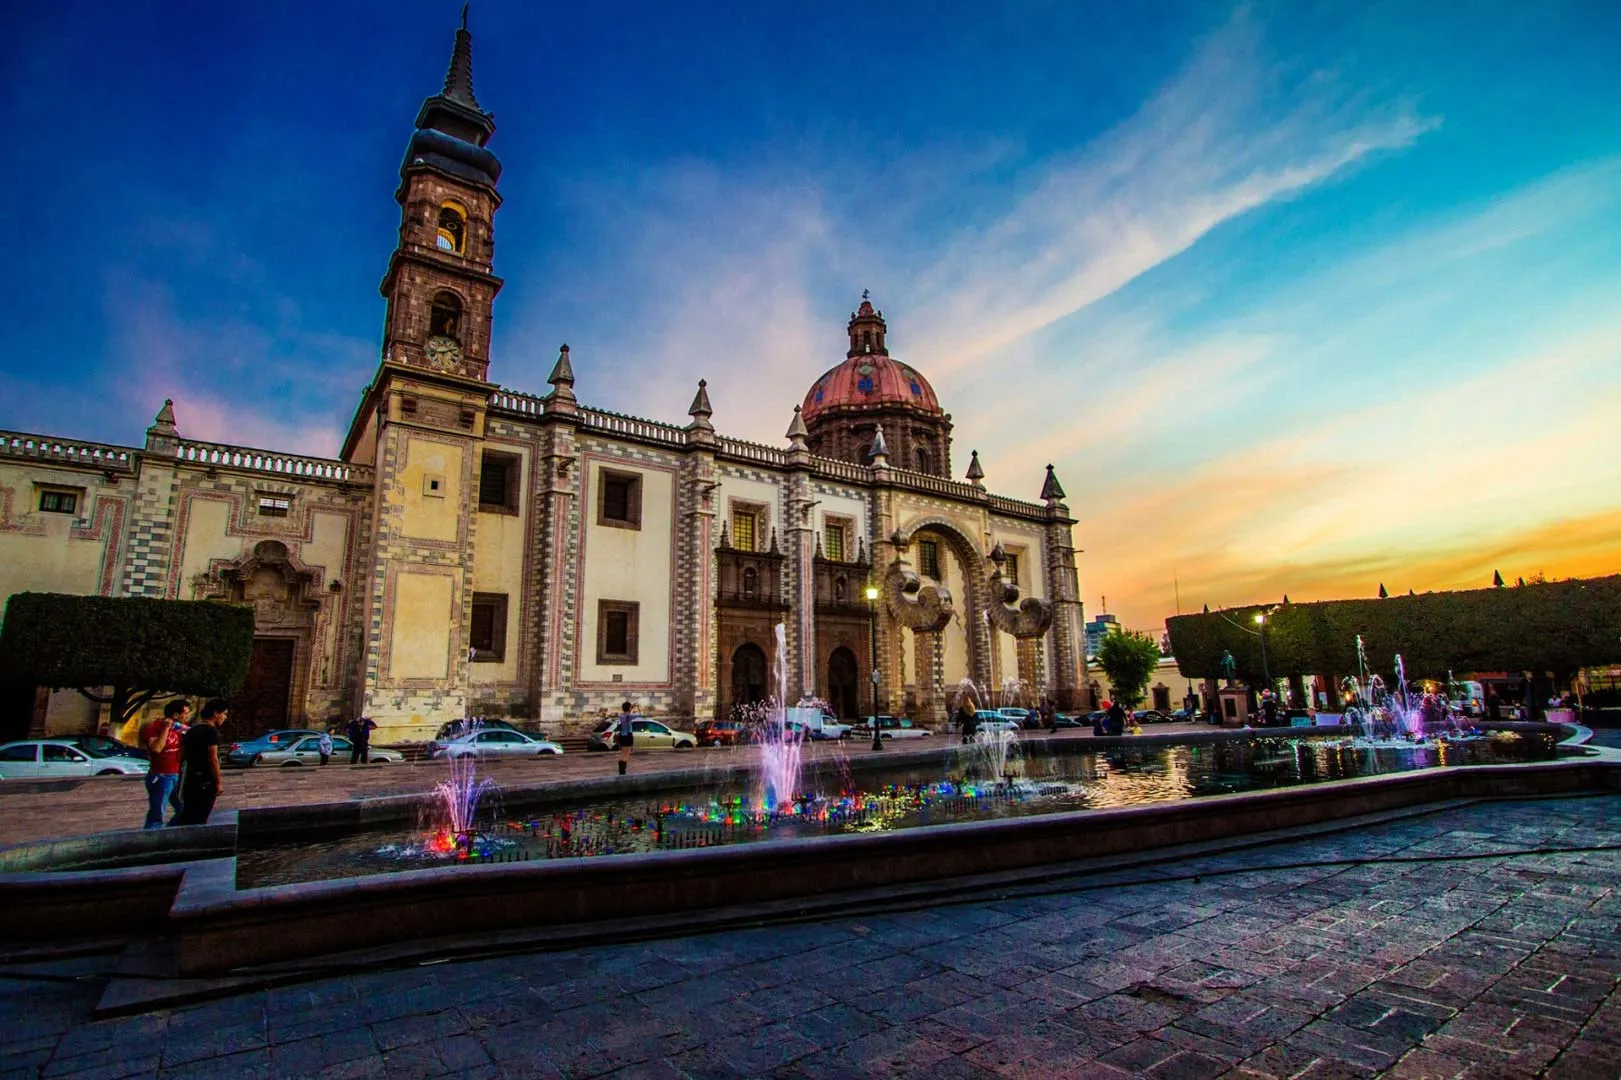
(833, 542)
(1010, 569)
(487, 627)
(619, 504)
(865, 384)
(745, 529)
(865, 453)
(928, 558)
(58, 502)
(452, 234)
(274, 506)
(921, 456)
(616, 631)
(498, 482)
(446, 318)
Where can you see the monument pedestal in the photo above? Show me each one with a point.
(1235, 706)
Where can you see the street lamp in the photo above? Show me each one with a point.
(1260, 620)
(872, 600)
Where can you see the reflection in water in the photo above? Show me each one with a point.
(900, 798)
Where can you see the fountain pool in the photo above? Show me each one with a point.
(959, 789)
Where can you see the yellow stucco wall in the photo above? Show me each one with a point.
(630, 565)
(37, 554)
(431, 515)
(498, 568)
(420, 639)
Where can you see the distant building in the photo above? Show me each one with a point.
(1096, 629)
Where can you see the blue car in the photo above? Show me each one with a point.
(244, 754)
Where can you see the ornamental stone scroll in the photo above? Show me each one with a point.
(921, 608)
(1031, 616)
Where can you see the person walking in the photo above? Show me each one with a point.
(1117, 718)
(625, 737)
(324, 745)
(359, 730)
(161, 737)
(963, 719)
(200, 766)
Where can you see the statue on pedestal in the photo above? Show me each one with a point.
(1229, 667)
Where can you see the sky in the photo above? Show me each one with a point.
(1298, 298)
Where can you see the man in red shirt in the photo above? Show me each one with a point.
(162, 738)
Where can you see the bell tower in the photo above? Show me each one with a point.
(439, 284)
(421, 422)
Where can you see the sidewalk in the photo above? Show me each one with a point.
(1246, 965)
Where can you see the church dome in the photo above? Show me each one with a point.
(869, 376)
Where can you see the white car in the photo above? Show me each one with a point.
(52, 759)
(307, 751)
(494, 743)
(651, 733)
(890, 727)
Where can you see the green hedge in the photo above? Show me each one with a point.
(136, 645)
(1558, 627)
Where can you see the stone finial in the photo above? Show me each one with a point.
(880, 451)
(797, 431)
(976, 475)
(725, 533)
(775, 550)
(861, 550)
(998, 556)
(163, 435)
(819, 554)
(700, 410)
(1051, 490)
(562, 380)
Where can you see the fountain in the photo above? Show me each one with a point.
(454, 804)
(776, 776)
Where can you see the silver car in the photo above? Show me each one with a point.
(54, 759)
(307, 751)
(494, 743)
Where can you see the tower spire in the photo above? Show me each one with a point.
(459, 79)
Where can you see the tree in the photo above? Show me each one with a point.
(1129, 659)
(133, 648)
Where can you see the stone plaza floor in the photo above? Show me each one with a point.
(1475, 941)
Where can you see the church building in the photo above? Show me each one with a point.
(481, 550)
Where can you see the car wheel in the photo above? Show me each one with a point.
(256, 759)
(546, 753)
(109, 772)
(287, 764)
(684, 745)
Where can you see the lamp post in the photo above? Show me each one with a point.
(872, 600)
(1266, 672)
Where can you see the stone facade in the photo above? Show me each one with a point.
(477, 550)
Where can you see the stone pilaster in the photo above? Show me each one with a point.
(1065, 678)
(695, 623)
(557, 482)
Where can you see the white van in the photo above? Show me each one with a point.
(816, 723)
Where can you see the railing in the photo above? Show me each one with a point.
(68, 451)
(917, 481)
(213, 455)
(633, 427)
(1017, 507)
(834, 469)
(752, 451)
(518, 403)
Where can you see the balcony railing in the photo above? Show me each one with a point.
(69, 452)
(291, 466)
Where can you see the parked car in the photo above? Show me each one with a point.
(54, 759)
(1064, 720)
(817, 723)
(307, 751)
(457, 728)
(890, 727)
(243, 754)
(1149, 716)
(649, 734)
(496, 743)
(994, 720)
(721, 733)
(1186, 716)
(106, 746)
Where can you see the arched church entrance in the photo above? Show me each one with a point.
(843, 683)
(748, 674)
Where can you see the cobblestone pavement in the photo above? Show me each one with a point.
(1247, 964)
(78, 808)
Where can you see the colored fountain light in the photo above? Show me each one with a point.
(777, 773)
(454, 806)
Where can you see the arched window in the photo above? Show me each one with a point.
(446, 318)
(452, 228)
(865, 453)
(751, 582)
(921, 457)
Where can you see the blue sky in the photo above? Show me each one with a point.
(1298, 297)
